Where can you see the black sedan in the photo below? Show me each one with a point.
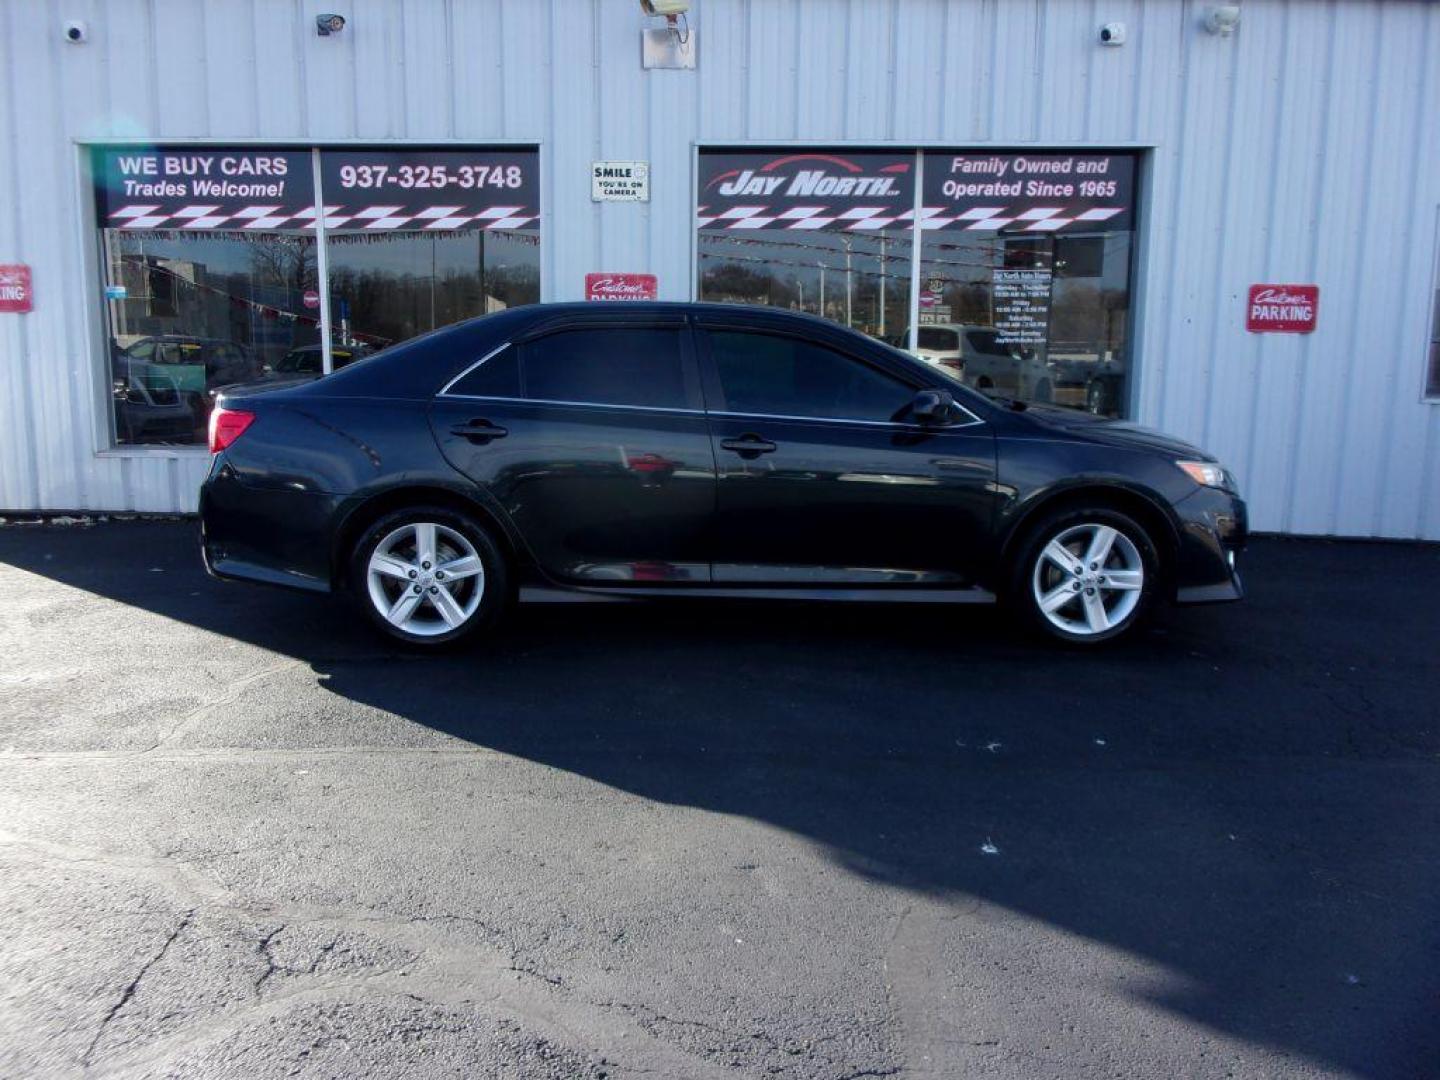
(700, 450)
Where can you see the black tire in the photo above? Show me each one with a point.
(1033, 571)
(1043, 393)
(493, 584)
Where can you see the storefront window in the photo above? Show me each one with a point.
(1025, 258)
(1025, 265)
(206, 268)
(421, 239)
(210, 264)
(826, 233)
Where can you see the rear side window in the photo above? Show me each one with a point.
(640, 366)
(769, 375)
(930, 338)
(611, 366)
(497, 377)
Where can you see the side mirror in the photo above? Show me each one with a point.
(933, 408)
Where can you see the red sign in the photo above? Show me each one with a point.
(620, 286)
(15, 291)
(311, 298)
(1282, 309)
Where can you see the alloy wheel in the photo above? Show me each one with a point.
(1088, 579)
(425, 579)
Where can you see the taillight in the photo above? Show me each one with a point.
(227, 425)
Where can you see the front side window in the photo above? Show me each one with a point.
(612, 366)
(769, 375)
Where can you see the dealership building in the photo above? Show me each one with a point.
(1222, 221)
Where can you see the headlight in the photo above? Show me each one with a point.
(1206, 474)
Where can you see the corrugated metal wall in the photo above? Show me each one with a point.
(1301, 149)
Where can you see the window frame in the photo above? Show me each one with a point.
(1430, 395)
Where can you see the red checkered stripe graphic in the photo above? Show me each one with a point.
(336, 217)
(985, 218)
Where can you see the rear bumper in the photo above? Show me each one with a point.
(270, 536)
(1214, 527)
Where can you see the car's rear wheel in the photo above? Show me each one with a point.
(1085, 576)
(429, 576)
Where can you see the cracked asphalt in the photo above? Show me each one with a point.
(240, 837)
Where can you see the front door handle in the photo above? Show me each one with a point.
(479, 431)
(748, 446)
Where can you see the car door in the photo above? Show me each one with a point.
(822, 479)
(592, 438)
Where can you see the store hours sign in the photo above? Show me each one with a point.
(1022, 307)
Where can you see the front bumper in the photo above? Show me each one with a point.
(1214, 528)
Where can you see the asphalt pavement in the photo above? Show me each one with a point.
(241, 837)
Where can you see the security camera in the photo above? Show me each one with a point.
(668, 8)
(76, 31)
(1112, 33)
(1223, 19)
(325, 25)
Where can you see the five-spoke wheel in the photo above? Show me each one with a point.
(1086, 576)
(427, 576)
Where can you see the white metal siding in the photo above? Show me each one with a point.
(1301, 149)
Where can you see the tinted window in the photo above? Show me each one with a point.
(983, 341)
(931, 338)
(497, 377)
(619, 366)
(301, 360)
(782, 376)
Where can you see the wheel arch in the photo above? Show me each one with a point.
(1146, 508)
(356, 519)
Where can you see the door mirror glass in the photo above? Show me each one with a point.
(934, 408)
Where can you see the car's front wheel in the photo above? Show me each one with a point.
(1085, 576)
(429, 576)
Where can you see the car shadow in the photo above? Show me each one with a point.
(1247, 796)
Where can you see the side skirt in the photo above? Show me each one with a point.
(553, 595)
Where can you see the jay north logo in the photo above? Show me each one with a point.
(812, 176)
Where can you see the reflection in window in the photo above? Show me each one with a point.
(610, 367)
(387, 287)
(1039, 318)
(192, 312)
(858, 279)
(766, 375)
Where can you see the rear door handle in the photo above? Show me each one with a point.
(748, 445)
(479, 431)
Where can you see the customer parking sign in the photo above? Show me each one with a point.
(16, 295)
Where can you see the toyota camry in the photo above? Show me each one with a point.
(697, 450)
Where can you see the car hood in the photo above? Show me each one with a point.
(1112, 432)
